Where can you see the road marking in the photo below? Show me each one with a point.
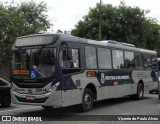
(19, 109)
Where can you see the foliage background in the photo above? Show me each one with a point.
(123, 23)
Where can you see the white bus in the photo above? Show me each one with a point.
(58, 70)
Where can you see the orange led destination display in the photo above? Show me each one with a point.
(20, 72)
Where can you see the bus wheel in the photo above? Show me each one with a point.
(87, 100)
(140, 91)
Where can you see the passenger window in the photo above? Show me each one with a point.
(129, 60)
(138, 61)
(91, 58)
(118, 61)
(147, 61)
(104, 58)
(70, 58)
(75, 58)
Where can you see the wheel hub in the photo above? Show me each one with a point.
(87, 100)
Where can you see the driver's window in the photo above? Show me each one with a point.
(75, 58)
(66, 59)
(70, 58)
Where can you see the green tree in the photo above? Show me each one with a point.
(4, 21)
(23, 19)
(122, 23)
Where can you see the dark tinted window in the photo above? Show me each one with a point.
(118, 61)
(91, 58)
(104, 58)
(129, 60)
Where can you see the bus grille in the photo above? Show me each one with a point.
(42, 100)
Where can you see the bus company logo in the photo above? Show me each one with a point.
(6, 118)
(102, 76)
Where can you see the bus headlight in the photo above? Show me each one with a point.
(54, 87)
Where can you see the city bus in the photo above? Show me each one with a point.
(59, 70)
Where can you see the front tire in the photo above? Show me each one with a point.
(87, 100)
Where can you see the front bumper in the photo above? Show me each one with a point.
(47, 99)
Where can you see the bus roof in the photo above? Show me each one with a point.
(108, 43)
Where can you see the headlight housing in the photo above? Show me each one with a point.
(54, 87)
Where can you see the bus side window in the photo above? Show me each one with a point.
(75, 58)
(91, 57)
(70, 58)
(66, 59)
(129, 60)
(118, 59)
(147, 61)
(138, 61)
(104, 58)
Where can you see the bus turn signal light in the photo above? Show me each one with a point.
(91, 73)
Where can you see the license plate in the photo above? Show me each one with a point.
(31, 98)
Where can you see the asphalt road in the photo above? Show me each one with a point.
(102, 110)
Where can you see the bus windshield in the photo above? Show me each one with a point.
(33, 63)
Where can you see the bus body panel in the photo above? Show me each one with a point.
(129, 89)
(71, 97)
(147, 79)
(53, 99)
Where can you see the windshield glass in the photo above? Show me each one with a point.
(33, 63)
